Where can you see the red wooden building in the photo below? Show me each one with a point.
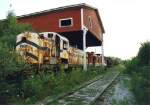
(69, 21)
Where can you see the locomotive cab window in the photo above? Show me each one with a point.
(41, 36)
(50, 35)
(65, 45)
(65, 22)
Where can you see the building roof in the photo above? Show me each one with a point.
(82, 5)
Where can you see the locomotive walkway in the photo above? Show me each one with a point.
(87, 94)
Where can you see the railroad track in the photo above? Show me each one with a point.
(102, 97)
(106, 98)
(88, 94)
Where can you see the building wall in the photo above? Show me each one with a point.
(95, 27)
(50, 21)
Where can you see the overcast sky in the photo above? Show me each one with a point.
(126, 22)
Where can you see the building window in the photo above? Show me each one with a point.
(90, 21)
(67, 22)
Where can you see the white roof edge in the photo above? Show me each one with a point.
(59, 8)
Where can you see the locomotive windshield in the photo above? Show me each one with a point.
(50, 35)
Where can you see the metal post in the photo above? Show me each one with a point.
(84, 48)
(102, 48)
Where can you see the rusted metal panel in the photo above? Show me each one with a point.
(75, 56)
(94, 59)
(50, 21)
(90, 58)
(92, 23)
(35, 50)
(98, 60)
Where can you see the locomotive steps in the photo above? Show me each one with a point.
(86, 94)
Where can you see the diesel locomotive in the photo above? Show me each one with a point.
(50, 48)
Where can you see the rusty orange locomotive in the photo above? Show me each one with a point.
(51, 48)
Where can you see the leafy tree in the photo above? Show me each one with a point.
(144, 54)
(9, 65)
(139, 69)
(112, 61)
(9, 28)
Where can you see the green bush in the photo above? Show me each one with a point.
(39, 86)
(113, 61)
(10, 68)
(144, 54)
(10, 81)
(9, 28)
(36, 87)
(141, 86)
(139, 69)
(132, 65)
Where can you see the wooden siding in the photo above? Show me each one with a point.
(50, 21)
(95, 27)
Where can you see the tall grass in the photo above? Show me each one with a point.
(39, 86)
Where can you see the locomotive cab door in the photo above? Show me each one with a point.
(62, 56)
(64, 46)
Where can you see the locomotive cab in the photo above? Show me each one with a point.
(60, 47)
